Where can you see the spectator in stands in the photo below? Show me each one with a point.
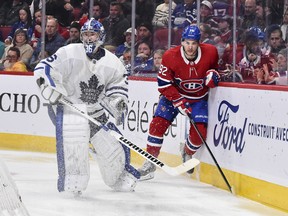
(2, 48)
(276, 9)
(207, 14)
(35, 5)
(99, 11)
(37, 28)
(143, 62)
(145, 32)
(160, 24)
(250, 19)
(10, 10)
(127, 44)
(253, 61)
(183, 15)
(223, 8)
(126, 60)
(275, 40)
(115, 25)
(284, 26)
(127, 8)
(157, 59)
(161, 15)
(225, 25)
(279, 74)
(53, 41)
(21, 41)
(61, 10)
(144, 11)
(262, 19)
(74, 33)
(24, 22)
(206, 32)
(12, 62)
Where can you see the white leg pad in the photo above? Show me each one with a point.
(110, 156)
(76, 135)
(10, 201)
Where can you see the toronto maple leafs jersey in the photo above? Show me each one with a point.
(83, 80)
(179, 77)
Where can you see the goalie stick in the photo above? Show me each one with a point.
(174, 171)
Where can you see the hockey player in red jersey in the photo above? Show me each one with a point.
(185, 76)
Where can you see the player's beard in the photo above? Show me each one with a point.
(190, 54)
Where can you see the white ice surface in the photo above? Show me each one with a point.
(36, 177)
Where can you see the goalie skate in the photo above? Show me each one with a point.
(147, 171)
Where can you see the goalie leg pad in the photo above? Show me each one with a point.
(110, 156)
(10, 200)
(128, 166)
(72, 135)
(114, 161)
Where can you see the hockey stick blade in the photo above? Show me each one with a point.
(173, 171)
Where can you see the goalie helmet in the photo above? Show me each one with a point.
(92, 35)
(191, 33)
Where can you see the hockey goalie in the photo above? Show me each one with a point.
(92, 78)
(10, 200)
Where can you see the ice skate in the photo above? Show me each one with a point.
(147, 171)
(185, 156)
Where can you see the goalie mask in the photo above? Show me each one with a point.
(92, 36)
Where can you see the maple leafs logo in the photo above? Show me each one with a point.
(91, 91)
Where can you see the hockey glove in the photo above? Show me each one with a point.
(212, 78)
(50, 94)
(117, 107)
(183, 106)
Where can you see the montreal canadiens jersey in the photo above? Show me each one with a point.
(179, 77)
(83, 80)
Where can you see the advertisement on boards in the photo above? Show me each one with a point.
(248, 132)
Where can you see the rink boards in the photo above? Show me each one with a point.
(247, 132)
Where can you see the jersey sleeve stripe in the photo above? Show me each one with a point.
(117, 88)
(117, 93)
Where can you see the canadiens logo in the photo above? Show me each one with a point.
(193, 85)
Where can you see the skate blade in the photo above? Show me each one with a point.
(146, 177)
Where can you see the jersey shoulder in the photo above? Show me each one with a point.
(207, 46)
(172, 53)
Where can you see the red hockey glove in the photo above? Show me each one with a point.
(183, 106)
(212, 78)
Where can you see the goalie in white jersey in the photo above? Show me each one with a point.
(92, 78)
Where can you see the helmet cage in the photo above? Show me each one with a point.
(92, 41)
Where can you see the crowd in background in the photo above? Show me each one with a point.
(261, 33)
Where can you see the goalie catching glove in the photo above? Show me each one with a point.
(212, 78)
(117, 107)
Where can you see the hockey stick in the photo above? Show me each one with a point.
(210, 152)
(174, 171)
